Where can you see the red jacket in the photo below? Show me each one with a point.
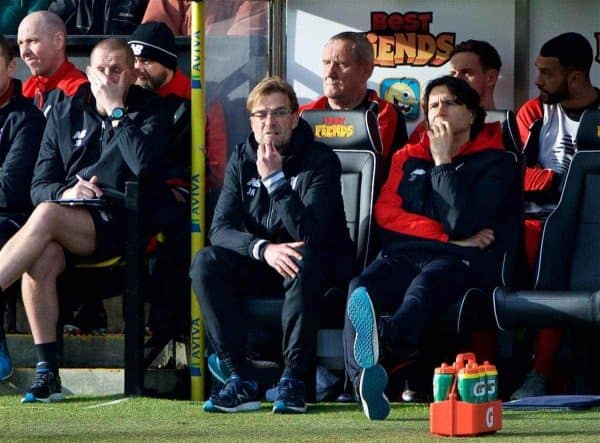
(48, 91)
(453, 201)
(392, 127)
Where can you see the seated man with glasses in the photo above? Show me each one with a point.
(279, 229)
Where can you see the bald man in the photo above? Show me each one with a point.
(42, 40)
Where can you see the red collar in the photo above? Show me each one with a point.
(179, 85)
(67, 78)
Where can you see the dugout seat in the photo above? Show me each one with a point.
(475, 310)
(566, 290)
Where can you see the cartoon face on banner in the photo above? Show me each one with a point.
(403, 92)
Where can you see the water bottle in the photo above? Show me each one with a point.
(471, 384)
(442, 382)
(491, 381)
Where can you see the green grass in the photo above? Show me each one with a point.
(145, 419)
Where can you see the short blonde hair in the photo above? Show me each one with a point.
(272, 85)
(116, 44)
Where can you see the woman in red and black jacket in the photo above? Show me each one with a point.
(443, 217)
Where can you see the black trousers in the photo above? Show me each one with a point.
(9, 225)
(415, 289)
(223, 279)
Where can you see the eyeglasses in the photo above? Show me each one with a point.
(275, 113)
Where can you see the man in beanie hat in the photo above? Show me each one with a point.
(548, 127)
(153, 45)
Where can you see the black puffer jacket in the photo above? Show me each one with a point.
(308, 207)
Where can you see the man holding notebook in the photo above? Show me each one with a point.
(91, 146)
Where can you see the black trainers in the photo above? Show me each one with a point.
(396, 351)
(290, 397)
(236, 396)
(45, 387)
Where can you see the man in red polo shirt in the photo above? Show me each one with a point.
(347, 65)
(42, 39)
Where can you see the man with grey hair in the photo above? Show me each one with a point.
(347, 65)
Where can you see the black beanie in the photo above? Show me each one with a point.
(154, 41)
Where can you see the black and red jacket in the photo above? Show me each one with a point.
(46, 92)
(529, 122)
(176, 98)
(421, 203)
(392, 126)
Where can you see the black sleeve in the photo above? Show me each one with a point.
(17, 167)
(466, 203)
(49, 173)
(143, 144)
(228, 220)
(312, 216)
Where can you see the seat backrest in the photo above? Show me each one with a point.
(354, 136)
(588, 134)
(570, 246)
(510, 133)
(514, 260)
(345, 129)
(359, 171)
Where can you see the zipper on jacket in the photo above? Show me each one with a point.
(269, 215)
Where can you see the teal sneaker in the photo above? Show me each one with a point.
(371, 387)
(218, 368)
(362, 316)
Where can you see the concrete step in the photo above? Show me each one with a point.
(97, 381)
(87, 351)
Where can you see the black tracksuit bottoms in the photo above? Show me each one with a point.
(222, 279)
(414, 288)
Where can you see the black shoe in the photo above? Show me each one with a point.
(45, 387)
(290, 397)
(397, 352)
(236, 396)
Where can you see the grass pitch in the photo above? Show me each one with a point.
(90, 419)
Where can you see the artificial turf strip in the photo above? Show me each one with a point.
(145, 419)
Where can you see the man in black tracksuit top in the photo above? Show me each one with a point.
(90, 147)
(21, 128)
(279, 225)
